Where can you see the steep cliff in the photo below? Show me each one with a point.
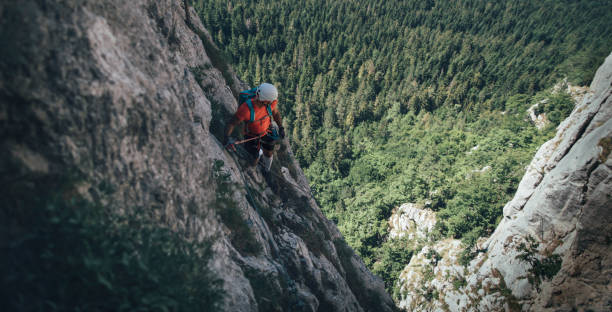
(127, 96)
(552, 250)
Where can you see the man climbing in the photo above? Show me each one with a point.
(258, 106)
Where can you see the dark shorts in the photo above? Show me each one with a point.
(266, 142)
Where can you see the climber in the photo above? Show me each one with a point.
(258, 106)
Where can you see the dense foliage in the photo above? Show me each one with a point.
(413, 101)
(63, 253)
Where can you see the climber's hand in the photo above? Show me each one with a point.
(229, 144)
(281, 131)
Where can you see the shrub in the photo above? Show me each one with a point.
(391, 258)
(459, 282)
(62, 253)
(557, 107)
(541, 267)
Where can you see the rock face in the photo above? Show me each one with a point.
(552, 251)
(540, 121)
(430, 275)
(411, 221)
(124, 94)
(563, 204)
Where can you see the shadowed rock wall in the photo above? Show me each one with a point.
(124, 95)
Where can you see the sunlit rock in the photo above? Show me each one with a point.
(551, 251)
(411, 221)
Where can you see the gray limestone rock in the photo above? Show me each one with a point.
(127, 94)
(411, 221)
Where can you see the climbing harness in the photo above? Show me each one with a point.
(271, 132)
(246, 140)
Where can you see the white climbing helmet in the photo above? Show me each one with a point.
(267, 92)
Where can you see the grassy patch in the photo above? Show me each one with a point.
(466, 256)
(459, 282)
(428, 273)
(606, 148)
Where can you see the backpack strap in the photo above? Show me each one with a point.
(251, 109)
(248, 93)
(269, 108)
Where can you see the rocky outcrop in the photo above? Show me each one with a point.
(540, 121)
(128, 96)
(552, 251)
(432, 273)
(564, 208)
(411, 221)
(576, 92)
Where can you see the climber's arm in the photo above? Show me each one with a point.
(279, 121)
(230, 127)
(277, 117)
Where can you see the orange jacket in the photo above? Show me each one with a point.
(261, 121)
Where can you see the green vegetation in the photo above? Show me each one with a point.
(466, 255)
(557, 106)
(459, 282)
(390, 102)
(392, 260)
(63, 253)
(541, 267)
(429, 294)
(428, 273)
(434, 256)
